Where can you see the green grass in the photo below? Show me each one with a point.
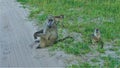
(94, 60)
(81, 16)
(118, 53)
(107, 11)
(82, 65)
(101, 50)
(87, 10)
(110, 62)
(117, 42)
(114, 49)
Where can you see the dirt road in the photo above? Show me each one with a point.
(16, 34)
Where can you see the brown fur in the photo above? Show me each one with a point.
(48, 35)
(96, 37)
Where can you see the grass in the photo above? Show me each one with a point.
(101, 50)
(94, 60)
(107, 10)
(114, 49)
(110, 62)
(117, 42)
(82, 65)
(118, 53)
(81, 16)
